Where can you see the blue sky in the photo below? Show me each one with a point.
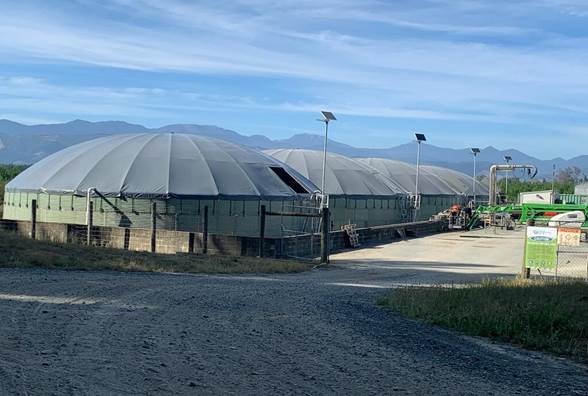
(512, 74)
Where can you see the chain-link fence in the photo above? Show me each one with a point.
(572, 261)
(300, 236)
(133, 239)
(572, 253)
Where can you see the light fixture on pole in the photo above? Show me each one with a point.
(508, 160)
(475, 151)
(327, 117)
(553, 185)
(419, 139)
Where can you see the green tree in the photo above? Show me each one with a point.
(7, 173)
(517, 186)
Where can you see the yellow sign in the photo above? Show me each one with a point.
(568, 236)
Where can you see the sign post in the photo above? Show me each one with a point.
(541, 248)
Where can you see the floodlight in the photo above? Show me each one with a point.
(420, 137)
(328, 116)
(475, 150)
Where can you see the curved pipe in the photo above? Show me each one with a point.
(505, 167)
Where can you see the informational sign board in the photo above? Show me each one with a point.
(568, 236)
(541, 247)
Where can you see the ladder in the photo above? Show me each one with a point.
(352, 233)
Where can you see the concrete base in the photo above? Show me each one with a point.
(172, 242)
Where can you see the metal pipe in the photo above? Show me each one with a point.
(504, 167)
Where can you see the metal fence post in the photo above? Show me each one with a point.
(90, 221)
(326, 221)
(191, 239)
(127, 241)
(153, 226)
(205, 231)
(33, 219)
(261, 230)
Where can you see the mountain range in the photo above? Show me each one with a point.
(25, 144)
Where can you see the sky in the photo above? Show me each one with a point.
(511, 74)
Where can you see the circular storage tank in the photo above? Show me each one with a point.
(404, 175)
(358, 194)
(459, 182)
(181, 173)
(439, 188)
(344, 176)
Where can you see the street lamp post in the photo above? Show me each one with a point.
(325, 215)
(475, 151)
(553, 185)
(508, 159)
(327, 117)
(419, 139)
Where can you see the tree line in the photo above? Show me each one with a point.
(564, 183)
(7, 173)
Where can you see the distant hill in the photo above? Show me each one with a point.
(25, 144)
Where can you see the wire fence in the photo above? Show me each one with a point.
(133, 239)
(572, 252)
(300, 243)
(160, 241)
(572, 261)
(300, 238)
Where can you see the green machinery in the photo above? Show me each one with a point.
(485, 213)
(543, 212)
(540, 213)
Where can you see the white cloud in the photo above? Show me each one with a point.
(450, 60)
(216, 40)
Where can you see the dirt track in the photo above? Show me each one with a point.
(313, 333)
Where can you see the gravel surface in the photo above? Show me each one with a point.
(314, 333)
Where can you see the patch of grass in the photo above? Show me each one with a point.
(541, 315)
(16, 251)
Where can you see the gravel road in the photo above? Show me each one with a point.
(314, 333)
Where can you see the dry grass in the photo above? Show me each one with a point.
(541, 315)
(16, 251)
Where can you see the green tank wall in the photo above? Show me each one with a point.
(433, 204)
(374, 212)
(227, 217)
(367, 212)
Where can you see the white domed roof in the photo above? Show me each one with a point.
(344, 175)
(433, 180)
(163, 165)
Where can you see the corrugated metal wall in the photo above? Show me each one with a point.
(574, 199)
(228, 217)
